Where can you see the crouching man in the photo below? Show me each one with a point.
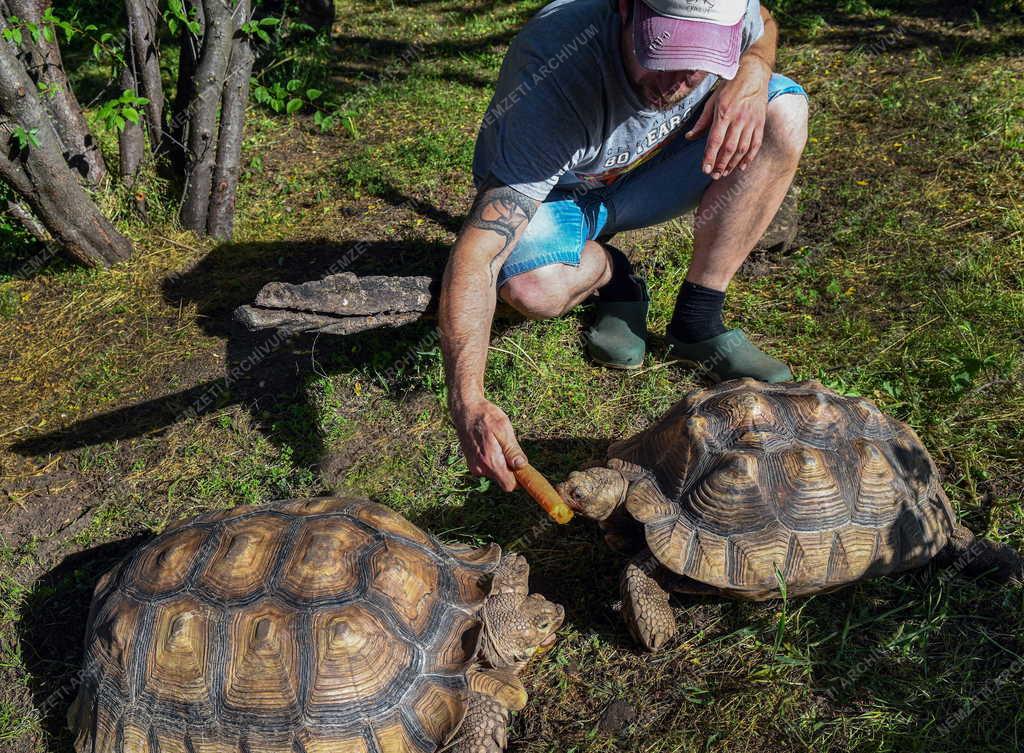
(611, 115)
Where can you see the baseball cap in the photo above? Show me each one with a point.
(702, 35)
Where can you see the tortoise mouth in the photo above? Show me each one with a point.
(545, 645)
(564, 491)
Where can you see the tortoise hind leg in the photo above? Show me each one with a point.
(972, 555)
(645, 603)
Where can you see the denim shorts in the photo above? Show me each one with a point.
(667, 186)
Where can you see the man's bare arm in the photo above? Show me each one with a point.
(765, 48)
(496, 222)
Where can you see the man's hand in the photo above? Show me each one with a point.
(735, 112)
(489, 442)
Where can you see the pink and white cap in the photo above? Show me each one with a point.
(700, 35)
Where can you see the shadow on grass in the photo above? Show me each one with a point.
(958, 30)
(52, 631)
(265, 372)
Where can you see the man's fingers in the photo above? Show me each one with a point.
(727, 150)
(499, 466)
(719, 132)
(515, 458)
(741, 151)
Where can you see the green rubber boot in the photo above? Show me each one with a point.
(731, 355)
(618, 337)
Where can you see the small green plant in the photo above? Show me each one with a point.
(25, 138)
(177, 17)
(117, 113)
(258, 28)
(290, 98)
(106, 48)
(964, 371)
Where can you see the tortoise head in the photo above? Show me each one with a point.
(517, 624)
(514, 633)
(594, 493)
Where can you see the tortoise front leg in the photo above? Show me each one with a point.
(485, 728)
(493, 695)
(512, 576)
(645, 603)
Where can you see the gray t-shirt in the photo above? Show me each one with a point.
(564, 113)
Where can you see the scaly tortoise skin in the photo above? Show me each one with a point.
(745, 483)
(313, 625)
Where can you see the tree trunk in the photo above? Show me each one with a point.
(43, 63)
(53, 193)
(220, 221)
(35, 168)
(202, 127)
(176, 135)
(131, 142)
(144, 59)
(24, 215)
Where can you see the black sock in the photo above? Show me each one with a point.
(620, 287)
(698, 314)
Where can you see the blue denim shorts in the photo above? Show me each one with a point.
(667, 186)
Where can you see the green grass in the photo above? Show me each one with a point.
(908, 289)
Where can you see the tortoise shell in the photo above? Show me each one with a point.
(309, 625)
(748, 483)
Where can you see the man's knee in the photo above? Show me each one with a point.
(785, 129)
(537, 294)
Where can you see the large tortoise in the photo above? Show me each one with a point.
(745, 486)
(307, 626)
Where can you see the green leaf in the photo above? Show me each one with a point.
(312, 94)
(293, 85)
(25, 138)
(48, 34)
(270, 21)
(263, 35)
(294, 105)
(130, 114)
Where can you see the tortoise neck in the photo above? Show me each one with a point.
(491, 649)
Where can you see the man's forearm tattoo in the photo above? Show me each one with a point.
(504, 211)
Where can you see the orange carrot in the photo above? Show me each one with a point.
(541, 490)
